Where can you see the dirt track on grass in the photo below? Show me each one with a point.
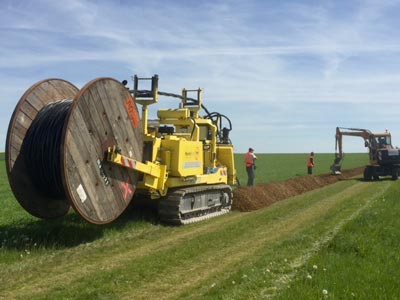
(264, 194)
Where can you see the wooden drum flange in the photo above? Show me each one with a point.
(28, 195)
(97, 190)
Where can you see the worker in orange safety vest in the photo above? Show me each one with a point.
(310, 163)
(250, 161)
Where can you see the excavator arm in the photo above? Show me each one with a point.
(342, 131)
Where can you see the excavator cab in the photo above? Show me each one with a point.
(383, 141)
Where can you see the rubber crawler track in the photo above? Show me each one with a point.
(170, 207)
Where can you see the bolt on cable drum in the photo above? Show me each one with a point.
(42, 147)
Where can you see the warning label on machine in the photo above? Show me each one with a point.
(132, 111)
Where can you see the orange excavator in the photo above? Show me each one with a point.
(384, 159)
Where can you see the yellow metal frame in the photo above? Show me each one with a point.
(156, 175)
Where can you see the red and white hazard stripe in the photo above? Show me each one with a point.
(128, 162)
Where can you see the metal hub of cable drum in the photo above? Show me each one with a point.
(55, 148)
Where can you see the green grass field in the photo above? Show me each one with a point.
(361, 262)
(338, 242)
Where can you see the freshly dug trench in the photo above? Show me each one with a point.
(264, 194)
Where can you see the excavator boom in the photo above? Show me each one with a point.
(340, 132)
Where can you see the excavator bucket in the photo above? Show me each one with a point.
(337, 165)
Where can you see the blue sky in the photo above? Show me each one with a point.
(285, 72)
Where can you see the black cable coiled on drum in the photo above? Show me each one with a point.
(42, 148)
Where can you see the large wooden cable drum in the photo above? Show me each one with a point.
(101, 114)
(31, 198)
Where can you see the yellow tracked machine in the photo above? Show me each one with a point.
(91, 149)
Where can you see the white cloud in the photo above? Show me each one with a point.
(278, 57)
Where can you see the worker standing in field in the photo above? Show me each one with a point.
(250, 161)
(310, 163)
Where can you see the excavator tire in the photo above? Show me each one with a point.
(196, 203)
(368, 172)
(395, 173)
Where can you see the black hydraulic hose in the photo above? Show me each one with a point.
(192, 101)
(148, 93)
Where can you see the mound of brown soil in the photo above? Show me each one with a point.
(262, 195)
